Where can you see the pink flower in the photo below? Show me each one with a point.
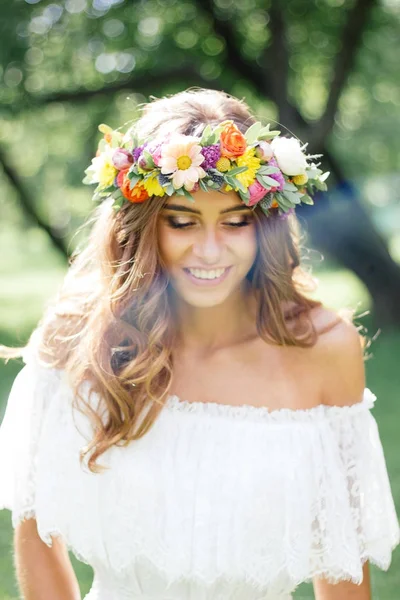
(122, 159)
(182, 157)
(257, 192)
(155, 150)
(264, 151)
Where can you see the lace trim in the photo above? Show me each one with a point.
(201, 580)
(342, 575)
(263, 413)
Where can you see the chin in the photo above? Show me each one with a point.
(204, 300)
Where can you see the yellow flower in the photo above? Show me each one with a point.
(107, 174)
(300, 179)
(249, 160)
(153, 187)
(105, 128)
(223, 164)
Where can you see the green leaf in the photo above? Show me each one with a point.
(134, 179)
(120, 200)
(107, 190)
(115, 140)
(229, 180)
(306, 199)
(269, 181)
(260, 180)
(188, 194)
(293, 197)
(324, 176)
(132, 174)
(266, 130)
(206, 134)
(149, 159)
(290, 187)
(265, 170)
(245, 196)
(320, 185)
(217, 132)
(267, 134)
(203, 185)
(239, 185)
(252, 133)
(102, 145)
(237, 170)
(283, 201)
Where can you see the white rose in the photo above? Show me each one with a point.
(289, 156)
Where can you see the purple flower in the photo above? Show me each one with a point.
(284, 216)
(277, 176)
(211, 156)
(137, 152)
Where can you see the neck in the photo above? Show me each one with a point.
(207, 330)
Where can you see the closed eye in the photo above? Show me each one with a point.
(175, 225)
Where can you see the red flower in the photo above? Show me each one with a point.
(137, 193)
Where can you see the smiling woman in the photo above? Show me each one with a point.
(238, 453)
(220, 236)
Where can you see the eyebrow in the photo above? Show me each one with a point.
(181, 208)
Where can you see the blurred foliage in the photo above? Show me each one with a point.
(68, 65)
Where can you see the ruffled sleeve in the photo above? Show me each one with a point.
(369, 529)
(20, 434)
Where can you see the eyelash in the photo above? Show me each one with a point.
(175, 225)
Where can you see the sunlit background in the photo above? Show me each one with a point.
(326, 69)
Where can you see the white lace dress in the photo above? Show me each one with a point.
(213, 503)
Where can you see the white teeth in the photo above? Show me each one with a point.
(201, 274)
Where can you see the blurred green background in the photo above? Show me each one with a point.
(326, 69)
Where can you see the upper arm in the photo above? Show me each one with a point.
(341, 365)
(342, 377)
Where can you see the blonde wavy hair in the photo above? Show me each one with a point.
(111, 322)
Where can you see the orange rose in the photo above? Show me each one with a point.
(137, 194)
(232, 141)
(274, 204)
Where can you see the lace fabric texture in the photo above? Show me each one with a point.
(215, 501)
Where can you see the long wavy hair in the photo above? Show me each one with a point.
(111, 323)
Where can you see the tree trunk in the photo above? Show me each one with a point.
(345, 231)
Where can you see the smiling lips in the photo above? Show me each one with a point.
(207, 275)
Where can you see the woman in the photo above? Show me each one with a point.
(193, 426)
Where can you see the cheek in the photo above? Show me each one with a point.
(171, 245)
(245, 245)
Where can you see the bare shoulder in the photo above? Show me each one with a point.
(338, 355)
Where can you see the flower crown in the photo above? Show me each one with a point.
(261, 166)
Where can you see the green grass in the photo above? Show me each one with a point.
(33, 272)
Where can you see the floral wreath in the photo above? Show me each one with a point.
(261, 166)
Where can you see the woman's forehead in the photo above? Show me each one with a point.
(207, 202)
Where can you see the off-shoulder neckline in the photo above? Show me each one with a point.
(176, 404)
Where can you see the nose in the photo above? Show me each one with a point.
(208, 247)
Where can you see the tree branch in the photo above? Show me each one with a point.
(185, 72)
(27, 203)
(247, 69)
(344, 63)
(262, 77)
